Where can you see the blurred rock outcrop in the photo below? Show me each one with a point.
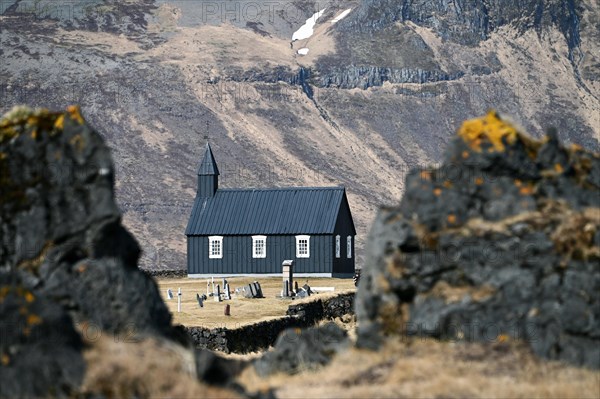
(69, 279)
(298, 350)
(500, 242)
(61, 228)
(40, 350)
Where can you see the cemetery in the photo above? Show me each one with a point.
(244, 308)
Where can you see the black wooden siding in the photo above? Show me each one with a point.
(237, 255)
(344, 228)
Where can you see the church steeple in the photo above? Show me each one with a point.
(208, 175)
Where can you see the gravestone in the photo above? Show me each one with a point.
(246, 291)
(252, 290)
(200, 300)
(301, 293)
(227, 310)
(295, 286)
(287, 270)
(285, 292)
(306, 288)
(207, 287)
(258, 290)
(169, 294)
(227, 292)
(217, 293)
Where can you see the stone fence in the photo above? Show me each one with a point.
(261, 335)
(166, 273)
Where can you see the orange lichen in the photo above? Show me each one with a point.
(503, 338)
(60, 122)
(5, 359)
(489, 128)
(437, 192)
(33, 320)
(526, 190)
(479, 181)
(425, 175)
(29, 297)
(451, 218)
(12, 123)
(447, 184)
(558, 168)
(75, 113)
(465, 154)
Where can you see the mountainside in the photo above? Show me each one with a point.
(377, 91)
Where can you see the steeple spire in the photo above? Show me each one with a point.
(208, 166)
(208, 174)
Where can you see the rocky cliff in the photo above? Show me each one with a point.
(376, 94)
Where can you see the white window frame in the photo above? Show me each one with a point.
(299, 240)
(255, 241)
(338, 245)
(215, 240)
(349, 247)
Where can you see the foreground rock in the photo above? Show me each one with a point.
(298, 350)
(40, 351)
(501, 242)
(61, 229)
(68, 269)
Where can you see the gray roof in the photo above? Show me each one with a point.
(208, 166)
(305, 210)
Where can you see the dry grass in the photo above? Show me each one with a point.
(149, 368)
(426, 368)
(243, 310)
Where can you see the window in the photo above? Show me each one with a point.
(337, 246)
(302, 246)
(259, 246)
(349, 247)
(215, 247)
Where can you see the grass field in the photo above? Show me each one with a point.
(427, 368)
(243, 310)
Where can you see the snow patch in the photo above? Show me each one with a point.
(341, 16)
(303, 51)
(306, 30)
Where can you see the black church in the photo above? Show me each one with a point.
(238, 232)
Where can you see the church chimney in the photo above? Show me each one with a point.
(208, 175)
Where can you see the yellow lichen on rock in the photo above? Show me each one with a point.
(75, 113)
(11, 123)
(489, 128)
(60, 122)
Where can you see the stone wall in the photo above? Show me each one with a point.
(262, 335)
(167, 273)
